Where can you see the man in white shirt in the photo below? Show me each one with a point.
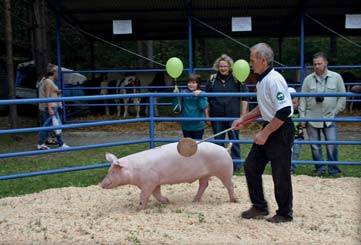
(274, 142)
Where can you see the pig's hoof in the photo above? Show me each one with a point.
(196, 200)
(139, 208)
(235, 200)
(164, 201)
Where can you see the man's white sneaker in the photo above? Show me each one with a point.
(64, 146)
(43, 147)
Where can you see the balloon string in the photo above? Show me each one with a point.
(178, 107)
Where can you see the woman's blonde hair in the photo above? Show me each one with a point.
(51, 70)
(225, 58)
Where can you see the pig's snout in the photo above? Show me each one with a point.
(105, 184)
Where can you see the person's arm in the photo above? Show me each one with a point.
(48, 89)
(244, 104)
(197, 92)
(177, 101)
(356, 89)
(237, 124)
(341, 101)
(244, 100)
(203, 104)
(206, 113)
(302, 105)
(208, 87)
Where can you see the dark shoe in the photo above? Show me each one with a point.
(254, 213)
(50, 141)
(280, 219)
(317, 173)
(43, 147)
(336, 175)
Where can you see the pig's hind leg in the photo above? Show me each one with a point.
(203, 184)
(227, 182)
(157, 194)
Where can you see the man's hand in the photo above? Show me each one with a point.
(260, 138)
(237, 124)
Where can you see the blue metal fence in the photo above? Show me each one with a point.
(152, 119)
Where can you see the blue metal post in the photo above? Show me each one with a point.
(190, 38)
(302, 47)
(58, 53)
(151, 121)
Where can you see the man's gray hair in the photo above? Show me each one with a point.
(320, 55)
(225, 58)
(263, 50)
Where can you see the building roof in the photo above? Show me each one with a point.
(168, 19)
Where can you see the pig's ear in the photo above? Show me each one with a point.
(118, 164)
(110, 157)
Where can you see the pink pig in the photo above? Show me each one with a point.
(150, 169)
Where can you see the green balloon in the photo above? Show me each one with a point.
(174, 67)
(241, 70)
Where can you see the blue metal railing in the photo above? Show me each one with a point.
(151, 119)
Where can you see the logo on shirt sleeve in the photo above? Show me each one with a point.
(280, 96)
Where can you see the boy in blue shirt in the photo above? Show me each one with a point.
(192, 106)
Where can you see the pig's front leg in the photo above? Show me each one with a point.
(144, 196)
(157, 194)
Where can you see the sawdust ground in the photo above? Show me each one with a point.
(326, 211)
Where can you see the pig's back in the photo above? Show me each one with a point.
(168, 152)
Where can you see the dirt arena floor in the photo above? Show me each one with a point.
(326, 211)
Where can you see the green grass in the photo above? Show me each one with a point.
(15, 187)
(16, 165)
(349, 153)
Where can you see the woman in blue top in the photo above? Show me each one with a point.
(192, 106)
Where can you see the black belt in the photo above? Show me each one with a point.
(288, 120)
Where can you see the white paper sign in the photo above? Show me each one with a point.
(241, 24)
(122, 27)
(353, 21)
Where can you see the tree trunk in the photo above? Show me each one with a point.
(203, 53)
(13, 115)
(150, 53)
(40, 42)
(140, 51)
(333, 48)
